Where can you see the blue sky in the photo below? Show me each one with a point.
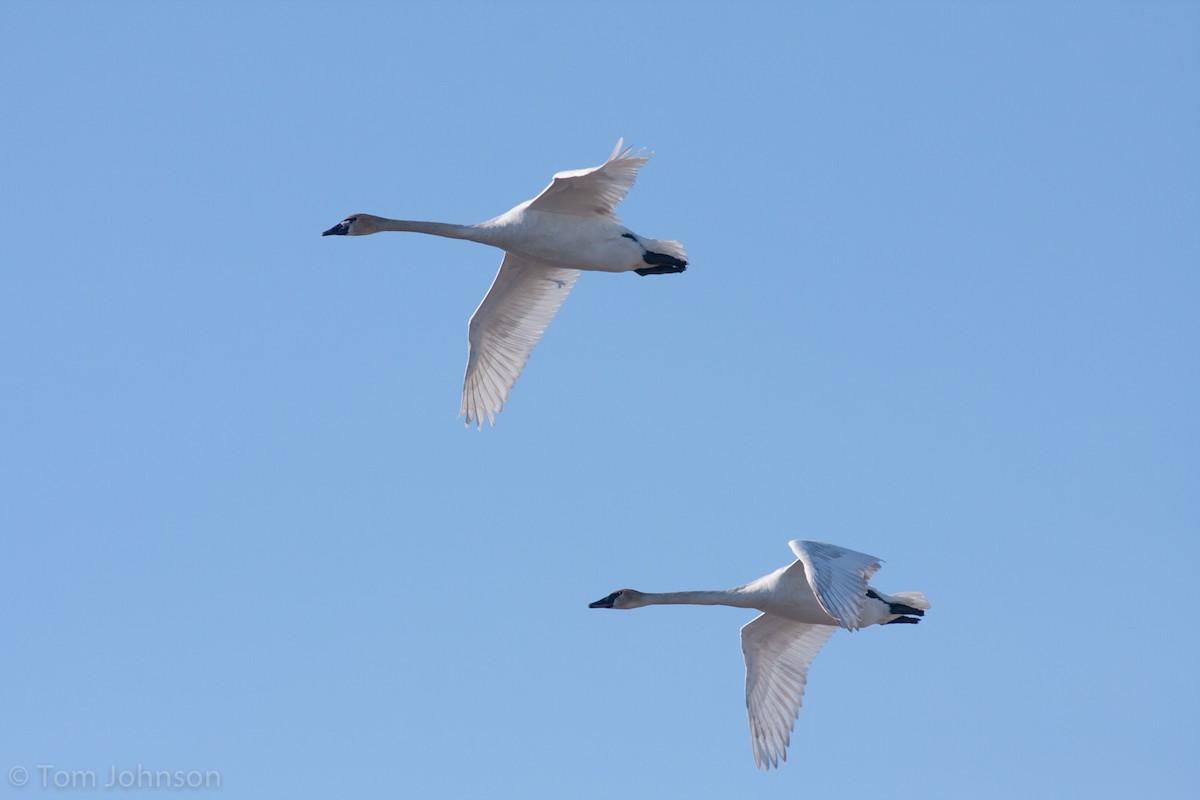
(942, 308)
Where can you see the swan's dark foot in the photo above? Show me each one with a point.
(659, 270)
(660, 264)
(909, 620)
(900, 608)
(896, 608)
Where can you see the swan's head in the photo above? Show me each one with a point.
(354, 225)
(621, 598)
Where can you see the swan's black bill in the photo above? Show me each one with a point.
(606, 602)
(341, 229)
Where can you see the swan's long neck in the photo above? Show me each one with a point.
(719, 597)
(447, 229)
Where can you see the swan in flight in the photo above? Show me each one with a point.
(826, 588)
(546, 241)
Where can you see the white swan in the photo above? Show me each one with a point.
(802, 604)
(546, 241)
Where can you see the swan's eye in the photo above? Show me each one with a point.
(618, 594)
(351, 220)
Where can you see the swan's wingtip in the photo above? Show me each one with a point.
(621, 151)
(476, 416)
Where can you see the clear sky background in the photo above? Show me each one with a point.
(942, 308)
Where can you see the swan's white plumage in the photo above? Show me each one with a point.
(838, 577)
(778, 653)
(523, 299)
(570, 226)
(527, 293)
(803, 604)
(596, 190)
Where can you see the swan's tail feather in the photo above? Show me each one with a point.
(666, 249)
(663, 257)
(908, 606)
(915, 599)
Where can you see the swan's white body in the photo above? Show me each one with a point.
(802, 604)
(546, 241)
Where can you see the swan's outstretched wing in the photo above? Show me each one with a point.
(838, 578)
(523, 299)
(778, 653)
(593, 191)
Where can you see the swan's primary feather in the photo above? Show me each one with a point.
(838, 577)
(778, 653)
(514, 313)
